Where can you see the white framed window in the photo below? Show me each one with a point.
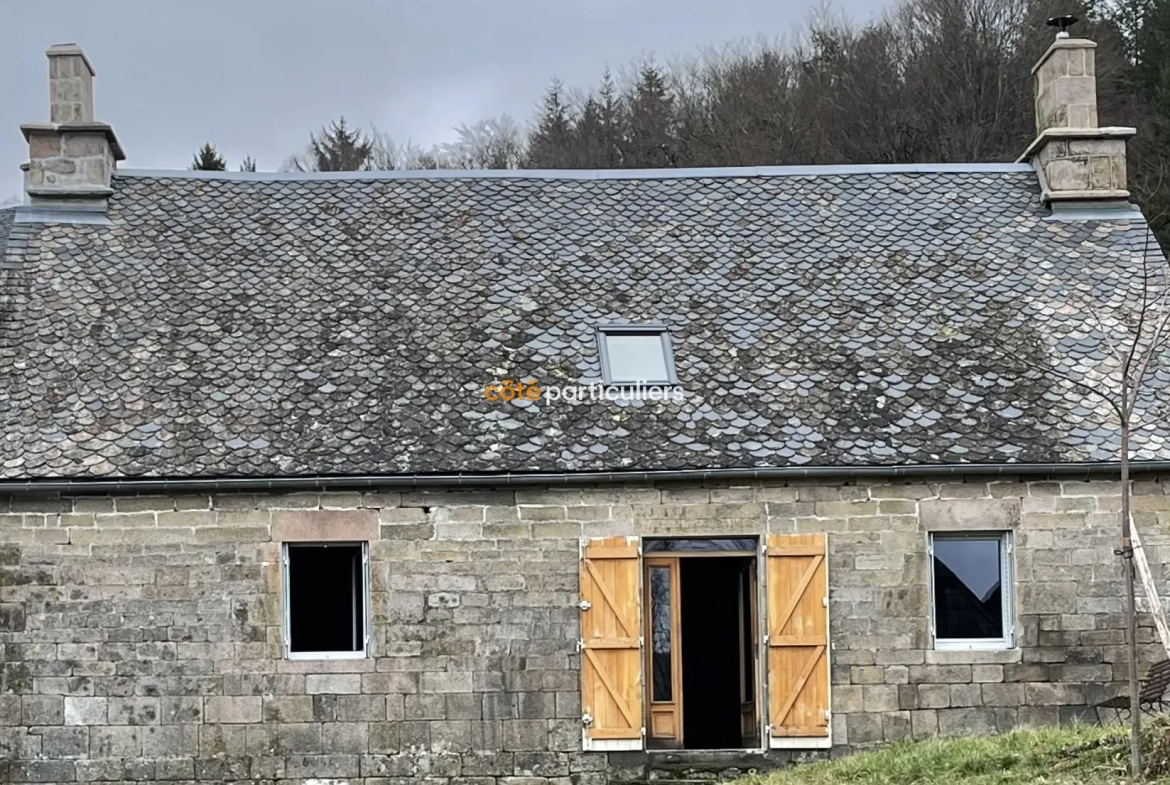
(326, 600)
(971, 590)
(636, 353)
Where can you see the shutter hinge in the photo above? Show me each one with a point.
(643, 731)
(584, 605)
(828, 715)
(765, 637)
(825, 602)
(580, 645)
(586, 719)
(767, 730)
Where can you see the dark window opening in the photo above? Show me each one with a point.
(969, 588)
(326, 596)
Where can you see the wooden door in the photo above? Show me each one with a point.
(611, 656)
(749, 648)
(798, 638)
(663, 651)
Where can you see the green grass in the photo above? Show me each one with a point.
(1082, 755)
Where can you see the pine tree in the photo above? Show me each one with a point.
(1152, 77)
(649, 142)
(598, 130)
(339, 148)
(550, 146)
(248, 165)
(208, 159)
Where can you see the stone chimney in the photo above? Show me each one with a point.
(1077, 160)
(71, 158)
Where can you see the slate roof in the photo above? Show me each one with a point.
(251, 325)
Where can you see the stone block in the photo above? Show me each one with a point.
(168, 769)
(848, 699)
(924, 724)
(1003, 694)
(934, 696)
(986, 673)
(115, 741)
(325, 525)
(232, 709)
(896, 726)
(360, 708)
(350, 738)
(969, 514)
(134, 711)
(966, 722)
(287, 708)
(64, 742)
(333, 683)
(880, 698)
(940, 674)
(318, 767)
(170, 741)
(425, 706)
(1053, 694)
(542, 764)
(446, 681)
(965, 695)
(491, 763)
(86, 711)
(525, 735)
(864, 728)
(383, 737)
(42, 710)
(289, 739)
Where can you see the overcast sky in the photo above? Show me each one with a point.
(255, 77)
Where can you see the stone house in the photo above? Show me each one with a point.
(809, 464)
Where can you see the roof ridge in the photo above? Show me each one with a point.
(819, 170)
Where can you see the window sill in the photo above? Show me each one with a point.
(302, 656)
(988, 656)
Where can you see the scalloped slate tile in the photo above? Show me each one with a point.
(350, 326)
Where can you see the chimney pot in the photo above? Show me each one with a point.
(70, 84)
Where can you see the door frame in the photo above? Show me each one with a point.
(673, 558)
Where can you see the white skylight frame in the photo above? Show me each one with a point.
(659, 330)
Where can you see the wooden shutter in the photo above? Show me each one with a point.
(611, 643)
(798, 637)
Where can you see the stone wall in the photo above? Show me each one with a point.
(142, 635)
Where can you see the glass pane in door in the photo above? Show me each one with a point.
(660, 642)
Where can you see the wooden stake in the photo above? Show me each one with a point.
(1151, 591)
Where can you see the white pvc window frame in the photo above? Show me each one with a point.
(1007, 594)
(363, 618)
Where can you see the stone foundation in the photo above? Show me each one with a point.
(142, 635)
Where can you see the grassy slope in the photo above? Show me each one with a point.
(1042, 757)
